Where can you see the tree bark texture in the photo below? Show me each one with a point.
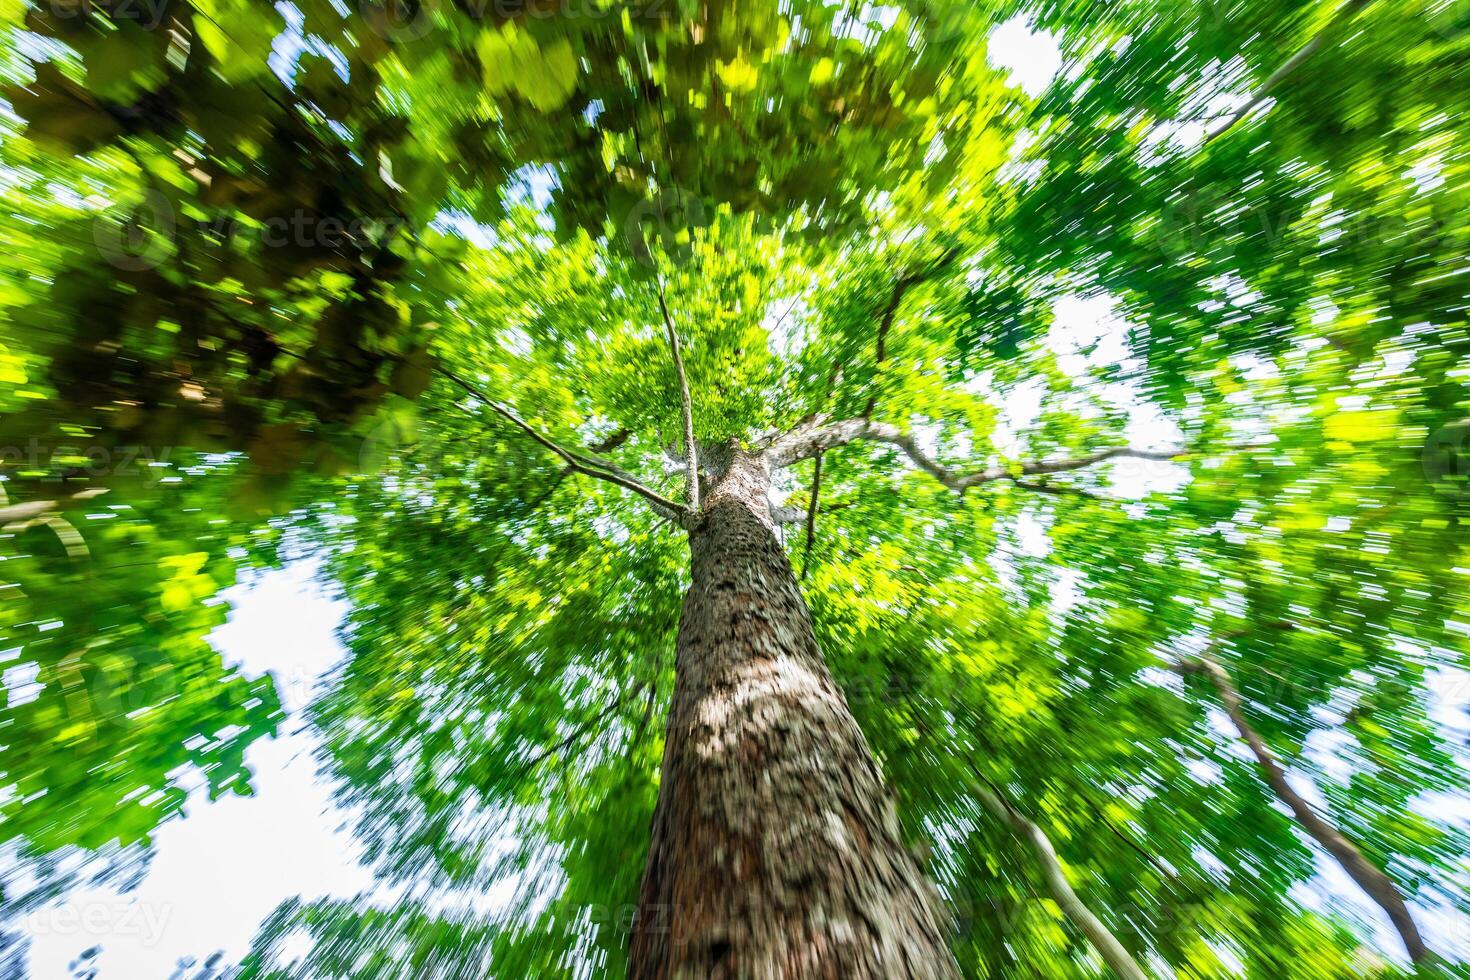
(776, 850)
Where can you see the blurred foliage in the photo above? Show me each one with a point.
(246, 248)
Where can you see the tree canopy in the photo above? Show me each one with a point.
(1121, 436)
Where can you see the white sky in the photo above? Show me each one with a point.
(1033, 57)
(221, 870)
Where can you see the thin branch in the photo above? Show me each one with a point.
(575, 461)
(545, 495)
(811, 516)
(776, 328)
(691, 459)
(1056, 490)
(806, 441)
(580, 731)
(1368, 876)
(901, 287)
(1097, 811)
(1102, 939)
(637, 738)
(1344, 13)
(885, 323)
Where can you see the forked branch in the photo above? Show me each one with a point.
(807, 441)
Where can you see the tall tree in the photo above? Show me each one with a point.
(536, 323)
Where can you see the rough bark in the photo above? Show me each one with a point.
(1368, 876)
(1102, 939)
(776, 851)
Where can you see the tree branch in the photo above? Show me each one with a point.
(613, 441)
(691, 460)
(1344, 13)
(33, 509)
(1087, 923)
(1164, 873)
(811, 516)
(901, 287)
(1055, 490)
(1374, 882)
(885, 323)
(637, 738)
(807, 441)
(577, 462)
(578, 733)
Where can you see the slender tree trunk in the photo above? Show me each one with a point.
(776, 850)
(1370, 878)
(1061, 890)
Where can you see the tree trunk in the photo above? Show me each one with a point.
(1369, 877)
(776, 851)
